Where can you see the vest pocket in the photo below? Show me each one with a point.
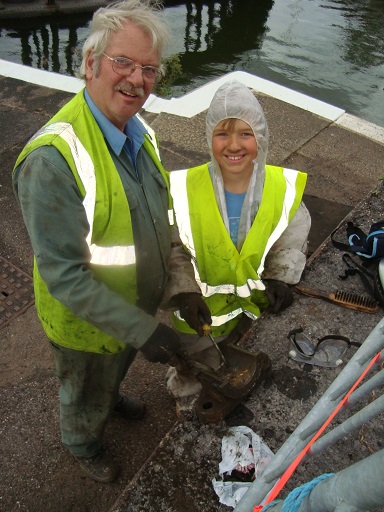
(133, 201)
(158, 178)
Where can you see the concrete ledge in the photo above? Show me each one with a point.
(40, 77)
(198, 100)
(355, 124)
(188, 105)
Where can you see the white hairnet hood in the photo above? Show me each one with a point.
(235, 100)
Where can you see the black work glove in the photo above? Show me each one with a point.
(162, 345)
(279, 294)
(194, 310)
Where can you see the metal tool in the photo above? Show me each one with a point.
(226, 386)
(345, 299)
(207, 330)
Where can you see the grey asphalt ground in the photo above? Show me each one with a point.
(171, 465)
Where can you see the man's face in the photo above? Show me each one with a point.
(120, 98)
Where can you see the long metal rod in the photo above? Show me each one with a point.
(338, 393)
(317, 416)
(255, 495)
(353, 423)
(367, 387)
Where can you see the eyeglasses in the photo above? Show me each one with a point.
(125, 67)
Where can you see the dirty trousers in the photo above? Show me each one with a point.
(89, 390)
(181, 385)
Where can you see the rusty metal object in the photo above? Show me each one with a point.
(224, 387)
(227, 386)
(224, 390)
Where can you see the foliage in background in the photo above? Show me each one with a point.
(172, 71)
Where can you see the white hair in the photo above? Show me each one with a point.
(145, 14)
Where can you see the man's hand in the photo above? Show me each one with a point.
(162, 345)
(194, 310)
(279, 294)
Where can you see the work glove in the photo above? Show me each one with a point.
(279, 294)
(194, 310)
(162, 345)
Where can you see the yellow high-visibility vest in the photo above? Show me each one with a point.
(230, 280)
(75, 133)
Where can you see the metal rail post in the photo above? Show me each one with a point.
(336, 494)
(299, 439)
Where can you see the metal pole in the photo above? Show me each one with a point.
(374, 382)
(259, 490)
(353, 423)
(366, 388)
(358, 488)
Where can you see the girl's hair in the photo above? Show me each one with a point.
(145, 14)
(229, 123)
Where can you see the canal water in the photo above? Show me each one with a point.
(332, 50)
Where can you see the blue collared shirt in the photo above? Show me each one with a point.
(131, 140)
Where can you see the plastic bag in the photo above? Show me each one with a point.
(242, 451)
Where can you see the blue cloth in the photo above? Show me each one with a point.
(294, 499)
(234, 205)
(131, 140)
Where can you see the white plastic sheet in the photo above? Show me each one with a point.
(242, 450)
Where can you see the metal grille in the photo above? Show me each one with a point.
(16, 292)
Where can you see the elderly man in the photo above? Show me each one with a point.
(95, 201)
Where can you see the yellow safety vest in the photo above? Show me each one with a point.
(75, 133)
(230, 280)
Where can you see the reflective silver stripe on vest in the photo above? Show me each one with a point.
(116, 255)
(289, 198)
(171, 217)
(151, 134)
(180, 200)
(223, 319)
(180, 204)
(241, 291)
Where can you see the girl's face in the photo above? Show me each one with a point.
(234, 147)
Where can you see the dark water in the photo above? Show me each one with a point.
(332, 50)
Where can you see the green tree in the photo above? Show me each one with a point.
(172, 71)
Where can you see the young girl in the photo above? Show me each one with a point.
(242, 222)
